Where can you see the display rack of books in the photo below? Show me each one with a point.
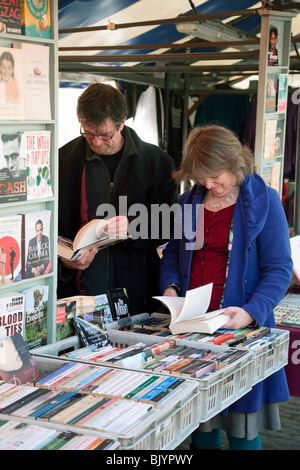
(272, 96)
(269, 346)
(222, 374)
(28, 169)
(139, 410)
(20, 435)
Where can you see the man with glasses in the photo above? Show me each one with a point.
(106, 163)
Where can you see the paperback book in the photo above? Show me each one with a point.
(282, 92)
(12, 169)
(36, 244)
(91, 329)
(97, 233)
(273, 138)
(10, 249)
(36, 18)
(271, 93)
(10, 17)
(36, 310)
(12, 306)
(65, 311)
(189, 313)
(16, 363)
(102, 305)
(35, 147)
(35, 80)
(11, 91)
(119, 302)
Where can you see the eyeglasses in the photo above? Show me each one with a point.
(89, 135)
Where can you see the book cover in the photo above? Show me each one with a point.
(11, 92)
(295, 248)
(36, 309)
(12, 306)
(102, 305)
(65, 311)
(36, 18)
(10, 249)
(12, 169)
(91, 329)
(35, 80)
(36, 259)
(189, 313)
(35, 149)
(273, 138)
(119, 302)
(97, 233)
(271, 93)
(282, 92)
(10, 17)
(16, 363)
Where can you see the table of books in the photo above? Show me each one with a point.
(139, 392)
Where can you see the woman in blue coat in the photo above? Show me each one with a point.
(234, 234)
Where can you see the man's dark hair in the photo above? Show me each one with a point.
(100, 102)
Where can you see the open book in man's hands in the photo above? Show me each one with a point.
(189, 313)
(98, 233)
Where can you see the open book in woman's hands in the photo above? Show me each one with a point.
(98, 233)
(189, 313)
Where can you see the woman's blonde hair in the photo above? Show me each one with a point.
(210, 150)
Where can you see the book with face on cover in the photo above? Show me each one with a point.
(36, 244)
(11, 90)
(189, 313)
(16, 363)
(97, 233)
(13, 186)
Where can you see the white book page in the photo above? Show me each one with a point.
(295, 247)
(194, 304)
(174, 304)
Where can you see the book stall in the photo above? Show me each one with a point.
(81, 373)
(145, 371)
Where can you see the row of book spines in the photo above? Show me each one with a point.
(21, 433)
(117, 356)
(71, 408)
(110, 383)
(239, 338)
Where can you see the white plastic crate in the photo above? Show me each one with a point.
(59, 428)
(165, 426)
(215, 392)
(269, 358)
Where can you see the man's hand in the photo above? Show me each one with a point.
(83, 263)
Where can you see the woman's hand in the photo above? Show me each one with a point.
(83, 263)
(239, 318)
(170, 292)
